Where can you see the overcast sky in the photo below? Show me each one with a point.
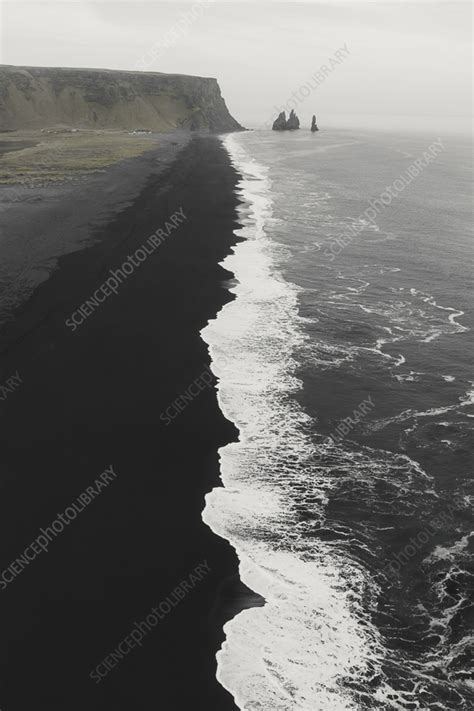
(406, 63)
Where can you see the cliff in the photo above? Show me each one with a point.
(38, 97)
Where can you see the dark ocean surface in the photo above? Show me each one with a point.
(347, 366)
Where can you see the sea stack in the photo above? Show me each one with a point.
(282, 124)
(293, 122)
(314, 125)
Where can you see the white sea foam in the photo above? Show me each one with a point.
(453, 552)
(408, 316)
(314, 631)
(465, 400)
(313, 645)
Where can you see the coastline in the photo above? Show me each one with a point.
(95, 397)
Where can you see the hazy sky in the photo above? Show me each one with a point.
(403, 60)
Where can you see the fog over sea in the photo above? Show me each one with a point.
(352, 520)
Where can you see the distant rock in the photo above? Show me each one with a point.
(314, 125)
(293, 122)
(282, 124)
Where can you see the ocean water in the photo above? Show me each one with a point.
(348, 371)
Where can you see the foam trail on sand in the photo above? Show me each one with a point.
(312, 644)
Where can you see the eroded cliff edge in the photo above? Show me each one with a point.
(37, 97)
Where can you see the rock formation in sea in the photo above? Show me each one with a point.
(293, 122)
(314, 125)
(282, 124)
(38, 97)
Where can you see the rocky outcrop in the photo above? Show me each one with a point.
(39, 97)
(314, 125)
(282, 124)
(293, 121)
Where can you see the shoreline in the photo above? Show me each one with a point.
(94, 398)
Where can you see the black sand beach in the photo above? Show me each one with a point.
(93, 397)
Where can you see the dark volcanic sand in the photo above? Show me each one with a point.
(41, 223)
(93, 398)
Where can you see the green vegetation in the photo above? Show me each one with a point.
(64, 155)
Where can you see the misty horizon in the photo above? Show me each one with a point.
(405, 66)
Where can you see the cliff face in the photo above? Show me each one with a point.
(38, 97)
